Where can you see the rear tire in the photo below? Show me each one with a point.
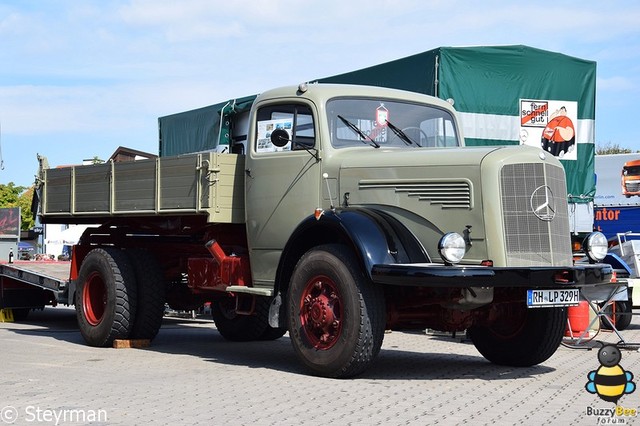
(522, 337)
(151, 292)
(336, 315)
(105, 298)
(273, 333)
(241, 328)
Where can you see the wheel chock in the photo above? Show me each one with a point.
(131, 343)
(6, 315)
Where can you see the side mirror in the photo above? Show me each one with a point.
(280, 137)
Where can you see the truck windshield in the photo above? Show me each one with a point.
(389, 123)
(631, 171)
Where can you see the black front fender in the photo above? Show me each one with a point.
(374, 236)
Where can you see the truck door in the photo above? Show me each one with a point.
(282, 184)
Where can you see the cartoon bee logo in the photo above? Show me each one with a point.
(610, 381)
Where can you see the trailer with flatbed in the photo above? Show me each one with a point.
(338, 213)
(33, 285)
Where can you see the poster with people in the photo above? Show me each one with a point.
(10, 222)
(550, 125)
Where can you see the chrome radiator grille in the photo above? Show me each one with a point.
(534, 240)
(633, 186)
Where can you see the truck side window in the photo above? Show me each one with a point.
(297, 120)
(439, 132)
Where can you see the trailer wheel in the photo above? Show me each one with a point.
(240, 328)
(151, 293)
(622, 318)
(336, 316)
(105, 297)
(20, 314)
(522, 337)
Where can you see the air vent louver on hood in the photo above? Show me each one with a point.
(447, 193)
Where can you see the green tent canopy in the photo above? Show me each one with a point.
(488, 86)
(200, 129)
(505, 95)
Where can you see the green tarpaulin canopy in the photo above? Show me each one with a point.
(487, 85)
(490, 87)
(200, 129)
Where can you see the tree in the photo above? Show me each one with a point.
(24, 202)
(18, 196)
(9, 194)
(609, 148)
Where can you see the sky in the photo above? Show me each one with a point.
(78, 79)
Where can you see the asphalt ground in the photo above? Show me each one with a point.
(190, 376)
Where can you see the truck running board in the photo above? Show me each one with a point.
(250, 290)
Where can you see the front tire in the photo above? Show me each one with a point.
(522, 337)
(336, 315)
(105, 297)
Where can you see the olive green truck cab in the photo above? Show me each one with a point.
(348, 211)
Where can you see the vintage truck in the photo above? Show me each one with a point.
(338, 212)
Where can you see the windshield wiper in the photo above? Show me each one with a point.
(356, 130)
(402, 135)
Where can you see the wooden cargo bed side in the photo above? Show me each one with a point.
(209, 183)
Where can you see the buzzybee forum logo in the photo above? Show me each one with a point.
(610, 382)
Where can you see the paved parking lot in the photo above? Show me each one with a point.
(190, 375)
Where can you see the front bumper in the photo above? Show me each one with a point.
(463, 276)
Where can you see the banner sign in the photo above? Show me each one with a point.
(550, 125)
(10, 222)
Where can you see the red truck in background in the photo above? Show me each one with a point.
(631, 178)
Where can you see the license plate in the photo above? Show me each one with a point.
(549, 298)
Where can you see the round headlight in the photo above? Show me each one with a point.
(595, 246)
(452, 247)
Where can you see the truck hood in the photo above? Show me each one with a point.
(432, 192)
(413, 179)
(418, 157)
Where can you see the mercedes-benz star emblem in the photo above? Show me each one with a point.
(543, 203)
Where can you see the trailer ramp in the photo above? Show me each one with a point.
(52, 276)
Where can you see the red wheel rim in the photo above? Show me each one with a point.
(512, 328)
(94, 298)
(321, 312)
